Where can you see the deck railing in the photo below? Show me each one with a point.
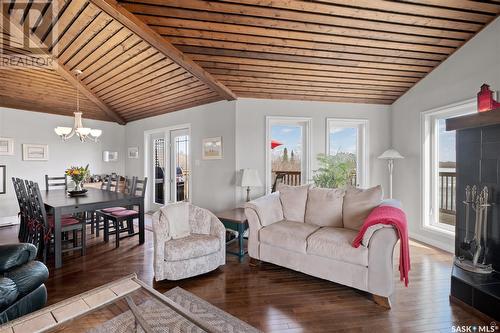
(447, 193)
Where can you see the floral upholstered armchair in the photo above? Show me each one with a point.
(202, 250)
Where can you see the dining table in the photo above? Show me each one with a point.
(59, 202)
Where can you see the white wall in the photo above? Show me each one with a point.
(251, 132)
(34, 127)
(456, 79)
(212, 180)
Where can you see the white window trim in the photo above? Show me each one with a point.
(427, 131)
(362, 160)
(146, 152)
(307, 150)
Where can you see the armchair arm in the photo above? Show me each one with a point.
(12, 255)
(380, 261)
(218, 230)
(261, 212)
(161, 234)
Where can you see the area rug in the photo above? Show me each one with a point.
(162, 319)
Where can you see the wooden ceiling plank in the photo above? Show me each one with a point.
(167, 101)
(100, 23)
(178, 107)
(160, 83)
(287, 34)
(255, 81)
(120, 14)
(308, 17)
(161, 15)
(182, 43)
(302, 59)
(315, 98)
(181, 85)
(416, 9)
(62, 23)
(304, 44)
(365, 14)
(328, 72)
(150, 80)
(47, 20)
(312, 78)
(82, 21)
(189, 90)
(460, 4)
(121, 52)
(63, 71)
(92, 45)
(131, 67)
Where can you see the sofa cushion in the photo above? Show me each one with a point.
(268, 208)
(190, 247)
(288, 235)
(324, 207)
(358, 203)
(336, 243)
(293, 199)
(178, 219)
(8, 293)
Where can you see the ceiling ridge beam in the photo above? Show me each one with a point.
(130, 21)
(63, 70)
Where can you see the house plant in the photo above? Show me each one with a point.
(78, 175)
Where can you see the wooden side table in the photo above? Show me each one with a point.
(235, 219)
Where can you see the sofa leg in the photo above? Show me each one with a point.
(382, 301)
(253, 262)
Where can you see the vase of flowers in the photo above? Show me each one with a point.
(78, 175)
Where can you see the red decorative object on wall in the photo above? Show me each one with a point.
(485, 101)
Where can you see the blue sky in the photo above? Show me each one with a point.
(290, 136)
(343, 139)
(446, 143)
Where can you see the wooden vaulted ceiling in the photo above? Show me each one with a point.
(147, 57)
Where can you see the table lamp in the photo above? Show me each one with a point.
(390, 155)
(250, 178)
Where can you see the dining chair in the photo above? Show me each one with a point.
(56, 183)
(117, 218)
(22, 201)
(42, 225)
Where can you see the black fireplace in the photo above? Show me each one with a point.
(478, 163)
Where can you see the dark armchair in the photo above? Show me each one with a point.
(22, 278)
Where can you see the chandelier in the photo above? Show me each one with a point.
(84, 133)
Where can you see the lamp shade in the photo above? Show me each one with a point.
(250, 178)
(390, 154)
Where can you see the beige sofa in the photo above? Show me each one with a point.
(310, 230)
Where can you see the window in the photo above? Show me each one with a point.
(346, 142)
(287, 151)
(439, 167)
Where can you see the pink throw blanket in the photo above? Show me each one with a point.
(397, 218)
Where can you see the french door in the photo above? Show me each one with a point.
(168, 166)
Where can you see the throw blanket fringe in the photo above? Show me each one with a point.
(397, 218)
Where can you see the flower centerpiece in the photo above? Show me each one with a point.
(78, 175)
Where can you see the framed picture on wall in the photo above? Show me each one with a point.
(109, 156)
(6, 146)
(35, 152)
(3, 179)
(133, 152)
(212, 148)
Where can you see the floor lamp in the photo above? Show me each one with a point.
(390, 155)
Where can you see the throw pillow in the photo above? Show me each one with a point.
(293, 199)
(324, 207)
(178, 219)
(358, 203)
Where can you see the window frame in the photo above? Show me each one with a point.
(429, 177)
(362, 149)
(306, 149)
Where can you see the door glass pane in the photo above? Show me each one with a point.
(159, 170)
(286, 154)
(343, 145)
(447, 180)
(181, 167)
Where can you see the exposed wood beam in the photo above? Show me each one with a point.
(60, 68)
(140, 28)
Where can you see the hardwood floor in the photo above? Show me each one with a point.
(276, 299)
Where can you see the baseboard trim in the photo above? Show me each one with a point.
(8, 221)
(423, 239)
